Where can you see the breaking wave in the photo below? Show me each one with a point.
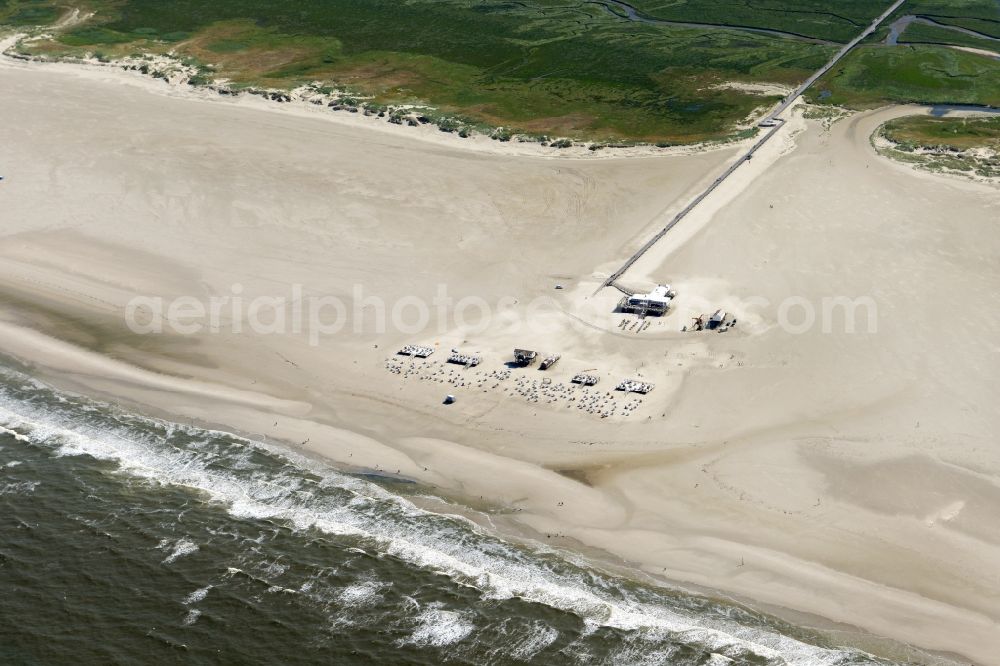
(258, 481)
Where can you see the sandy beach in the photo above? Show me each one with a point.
(846, 476)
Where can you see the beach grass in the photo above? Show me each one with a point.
(540, 67)
(964, 145)
(575, 69)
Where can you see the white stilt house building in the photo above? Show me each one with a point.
(656, 302)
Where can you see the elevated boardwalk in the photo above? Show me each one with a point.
(773, 122)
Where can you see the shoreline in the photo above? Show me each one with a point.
(294, 102)
(336, 396)
(495, 519)
(923, 158)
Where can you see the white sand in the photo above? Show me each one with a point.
(855, 476)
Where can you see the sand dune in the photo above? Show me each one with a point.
(848, 476)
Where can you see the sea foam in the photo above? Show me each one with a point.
(307, 494)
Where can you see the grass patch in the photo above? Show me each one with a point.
(874, 75)
(957, 134)
(840, 21)
(539, 66)
(978, 15)
(28, 12)
(250, 55)
(989, 27)
(95, 36)
(922, 33)
(574, 68)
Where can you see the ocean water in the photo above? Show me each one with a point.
(126, 540)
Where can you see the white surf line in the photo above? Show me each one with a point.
(772, 120)
(15, 434)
